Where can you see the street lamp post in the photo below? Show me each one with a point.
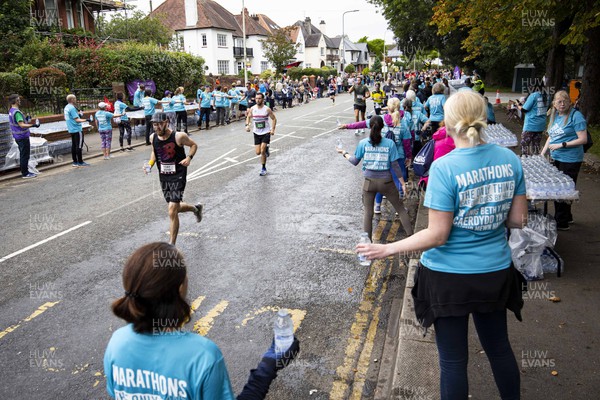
(244, 64)
(343, 38)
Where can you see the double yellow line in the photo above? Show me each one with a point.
(351, 375)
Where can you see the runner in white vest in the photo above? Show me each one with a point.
(259, 114)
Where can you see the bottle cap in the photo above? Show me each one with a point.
(282, 312)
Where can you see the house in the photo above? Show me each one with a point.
(320, 49)
(296, 36)
(212, 32)
(69, 14)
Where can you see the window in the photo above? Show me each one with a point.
(204, 40)
(307, 65)
(239, 42)
(223, 67)
(264, 65)
(300, 49)
(240, 67)
(69, 12)
(50, 12)
(79, 9)
(322, 51)
(221, 40)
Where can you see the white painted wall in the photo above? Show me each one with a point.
(192, 42)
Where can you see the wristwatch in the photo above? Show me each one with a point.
(564, 144)
(190, 156)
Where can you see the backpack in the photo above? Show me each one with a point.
(423, 159)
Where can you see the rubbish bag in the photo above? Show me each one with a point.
(544, 225)
(527, 247)
(552, 263)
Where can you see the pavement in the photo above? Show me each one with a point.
(556, 345)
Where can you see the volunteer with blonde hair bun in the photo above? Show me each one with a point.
(474, 193)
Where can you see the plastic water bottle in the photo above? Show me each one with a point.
(283, 330)
(37, 121)
(364, 238)
(28, 118)
(147, 167)
(339, 123)
(92, 118)
(338, 144)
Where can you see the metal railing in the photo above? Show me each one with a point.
(239, 52)
(87, 99)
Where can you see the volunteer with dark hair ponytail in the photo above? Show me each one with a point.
(153, 357)
(474, 193)
(379, 156)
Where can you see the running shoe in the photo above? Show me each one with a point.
(263, 172)
(563, 228)
(198, 212)
(130, 149)
(122, 149)
(83, 164)
(377, 209)
(357, 133)
(362, 131)
(30, 175)
(75, 164)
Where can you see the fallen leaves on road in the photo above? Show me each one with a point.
(554, 373)
(554, 299)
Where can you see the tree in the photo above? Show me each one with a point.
(279, 48)
(350, 69)
(136, 26)
(15, 30)
(376, 66)
(377, 46)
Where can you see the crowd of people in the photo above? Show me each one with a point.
(454, 279)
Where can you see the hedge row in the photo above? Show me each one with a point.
(298, 73)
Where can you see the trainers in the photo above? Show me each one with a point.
(563, 228)
(30, 175)
(83, 164)
(267, 152)
(130, 149)
(357, 133)
(75, 164)
(571, 222)
(362, 131)
(122, 149)
(377, 209)
(198, 212)
(263, 172)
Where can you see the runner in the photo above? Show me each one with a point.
(332, 89)
(169, 155)
(260, 114)
(361, 93)
(378, 96)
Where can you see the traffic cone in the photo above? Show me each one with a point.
(498, 96)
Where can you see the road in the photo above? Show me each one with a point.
(284, 240)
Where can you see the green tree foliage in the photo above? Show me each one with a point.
(279, 48)
(10, 83)
(16, 28)
(376, 66)
(350, 69)
(377, 46)
(135, 26)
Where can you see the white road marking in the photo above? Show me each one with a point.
(16, 253)
(302, 116)
(305, 127)
(126, 204)
(199, 170)
(325, 133)
(233, 160)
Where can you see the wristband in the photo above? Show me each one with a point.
(190, 156)
(151, 163)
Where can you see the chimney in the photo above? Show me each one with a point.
(191, 12)
(307, 25)
(322, 27)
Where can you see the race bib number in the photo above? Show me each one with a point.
(260, 125)
(360, 96)
(167, 168)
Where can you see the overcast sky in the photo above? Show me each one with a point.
(365, 22)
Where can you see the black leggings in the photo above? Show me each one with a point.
(124, 126)
(149, 129)
(76, 146)
(181, 121)
(204, 111)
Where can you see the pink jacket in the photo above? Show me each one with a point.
(444, 144)
(389, 121)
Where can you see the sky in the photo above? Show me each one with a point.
(365, 22)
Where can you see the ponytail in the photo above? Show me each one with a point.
(376, 123)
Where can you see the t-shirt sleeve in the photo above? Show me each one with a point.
(73, 113)
(19, 117)
(440, 195)
(579, 123)
(520, 188)
(153, 100)
(529, 102)
(359, 153)
(216, 384)
(108, 372)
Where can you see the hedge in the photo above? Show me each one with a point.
(298, 73)
(47, 81)
(10, 83)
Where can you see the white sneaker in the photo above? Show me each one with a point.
(362, 131)
(357, 133)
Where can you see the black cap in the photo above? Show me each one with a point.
(159, 116)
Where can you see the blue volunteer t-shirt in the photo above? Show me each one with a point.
(535, 113)
(205, 100)
(138, 96)
(104, 118)
(477, 185)
(179, 102)
(219, 98)
(418, 119)
(175, 366)
(120, 108)
(71, 115)
(168, 107)
(376, 158)
(235, 94)
(559, 132)
(435, 103)
(490, 113)
(149, 103)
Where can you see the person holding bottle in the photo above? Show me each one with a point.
(166, 360)
(466, 268)
(74, 119)
(19, 128)
(379, 156)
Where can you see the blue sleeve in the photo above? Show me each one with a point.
(110, 115)
(359, 153)
(422, 118)
(579, 123)
(520, 188)
(73, 113)
(216, 384)
(427, 103)
(440, 195)
(529, 102)
(153, 101)
(108, 372)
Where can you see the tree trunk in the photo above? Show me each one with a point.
(555, 64)
(589, 102)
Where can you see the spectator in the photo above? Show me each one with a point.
(435, 106)
(535, 110)
(104, 125)
(206, 102)
(74, 119)
(179, 108)
(123, 122)
(138, 95)
(443, 144)
(149, 104)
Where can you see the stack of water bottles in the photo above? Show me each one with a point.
(545, 182)
(500, 135)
